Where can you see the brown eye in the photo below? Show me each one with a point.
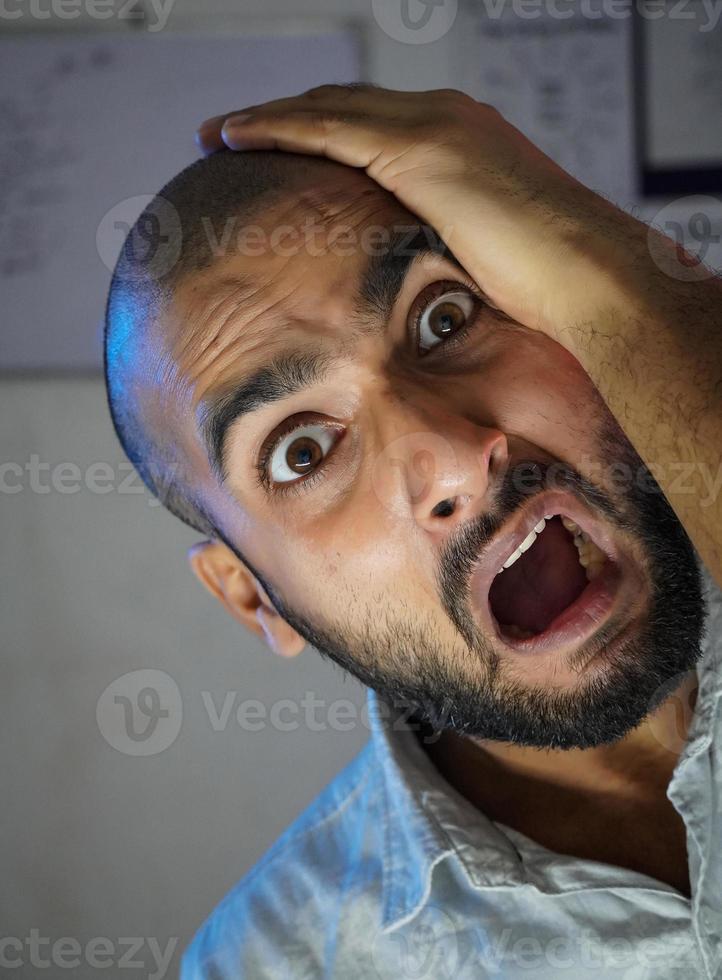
(300, 451)
(443, 317)
(303, 454)
(446, 319)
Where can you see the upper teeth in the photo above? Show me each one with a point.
(590, 556)
(526, 543)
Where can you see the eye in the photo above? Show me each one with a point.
(444, 316)
(298, 452)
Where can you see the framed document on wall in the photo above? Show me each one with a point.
(678, 98)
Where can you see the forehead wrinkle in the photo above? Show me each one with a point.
(204, 302)
(203, 307)
(328, 202)
(215, 304)
(233, 322)
(234, 288)
(357, 213)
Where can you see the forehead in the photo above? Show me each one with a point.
(292, 268)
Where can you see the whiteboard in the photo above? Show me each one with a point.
(567, 83)
(91, 126)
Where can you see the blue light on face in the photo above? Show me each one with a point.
(122, 348)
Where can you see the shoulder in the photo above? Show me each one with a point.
(282, 910)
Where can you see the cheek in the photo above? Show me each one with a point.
(546, 398)
(348, 556)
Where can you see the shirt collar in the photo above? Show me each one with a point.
(426, 821)
(709, 669)
(701, 729)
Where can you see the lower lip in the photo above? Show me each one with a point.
(578, 621)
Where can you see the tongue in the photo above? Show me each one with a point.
(542, 583)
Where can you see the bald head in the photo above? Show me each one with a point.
(190, 224)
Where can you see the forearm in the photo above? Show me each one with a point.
(652, 344)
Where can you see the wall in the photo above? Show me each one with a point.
(98, 843)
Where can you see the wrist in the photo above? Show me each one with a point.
(634, 297)
(619, 275)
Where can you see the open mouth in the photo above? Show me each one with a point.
(554, 586)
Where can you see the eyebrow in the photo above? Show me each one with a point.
(384, 275)
(299, 369)
(287, 374)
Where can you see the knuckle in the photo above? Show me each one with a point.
(457, 109)
(454, 108)
(321, 92)
(454, 97)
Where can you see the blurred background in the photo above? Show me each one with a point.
(151, 750)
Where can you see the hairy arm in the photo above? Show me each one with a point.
(649, 334)
(644, 323)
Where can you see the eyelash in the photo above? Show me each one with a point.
(267, 450)
(432, 292)
(424, 299)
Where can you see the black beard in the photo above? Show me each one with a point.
(646, 668)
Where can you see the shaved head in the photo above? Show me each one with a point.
(186, 227)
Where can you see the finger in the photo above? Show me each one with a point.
(354, 141)
(321, 94)
(355, 97)
(208, 135)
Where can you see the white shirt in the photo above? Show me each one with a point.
(392, 874)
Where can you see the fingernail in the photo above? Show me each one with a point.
(211, 122)
(234, 122)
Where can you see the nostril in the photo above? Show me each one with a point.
(445, 508)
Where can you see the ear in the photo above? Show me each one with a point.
(228, 579)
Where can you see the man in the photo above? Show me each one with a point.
(429, 399)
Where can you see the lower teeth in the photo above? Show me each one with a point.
(591, 558)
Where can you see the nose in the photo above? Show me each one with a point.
(444, 474)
